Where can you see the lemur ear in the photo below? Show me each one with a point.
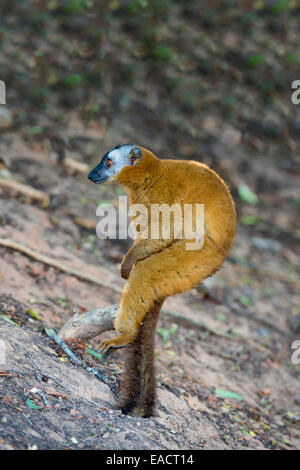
(135, 156)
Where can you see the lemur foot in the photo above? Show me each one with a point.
(121, 341)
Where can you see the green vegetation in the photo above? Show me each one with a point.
(94, 48)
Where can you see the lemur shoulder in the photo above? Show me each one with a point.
(156, 268)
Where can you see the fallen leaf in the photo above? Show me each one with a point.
(227, 394)
(247, 195)
(32, 405)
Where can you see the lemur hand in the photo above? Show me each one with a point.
(127, 264)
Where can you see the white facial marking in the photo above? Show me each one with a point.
(114, 155)
(119, 157)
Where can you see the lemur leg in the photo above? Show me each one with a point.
(151, 281)
(142, 298)
(127, 322)
(169, 272)
(139, 297)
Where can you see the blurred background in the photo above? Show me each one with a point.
(203, 80)
(200, 80)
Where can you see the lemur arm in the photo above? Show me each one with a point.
(145, 246)
(141, 250)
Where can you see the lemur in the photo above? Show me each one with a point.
(156, 268)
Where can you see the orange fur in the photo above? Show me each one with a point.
(159, 268)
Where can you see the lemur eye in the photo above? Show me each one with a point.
(108, 162)
(133, 157)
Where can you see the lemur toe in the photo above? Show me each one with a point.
(109, 344)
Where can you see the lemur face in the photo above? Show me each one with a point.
(113, 162)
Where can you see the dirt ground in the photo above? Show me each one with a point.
(231, 352)
(225, 374)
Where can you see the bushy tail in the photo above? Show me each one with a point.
(138, 390)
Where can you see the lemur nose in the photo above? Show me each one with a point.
(90, 176)
(94, 175)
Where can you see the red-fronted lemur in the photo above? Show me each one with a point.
(156, 268)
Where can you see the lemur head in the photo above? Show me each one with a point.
(117, 158)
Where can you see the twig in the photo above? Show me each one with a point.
(85, 223)
(267, 273)
(63, 346)
(26, 190)
(58, 382)
(8, 243)
(90, 324)
(8, 374)
(251, 316)
(27, 418)
(196, 324)
(43, 397)
(242, 313)
(75, 165)
(51, 333)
